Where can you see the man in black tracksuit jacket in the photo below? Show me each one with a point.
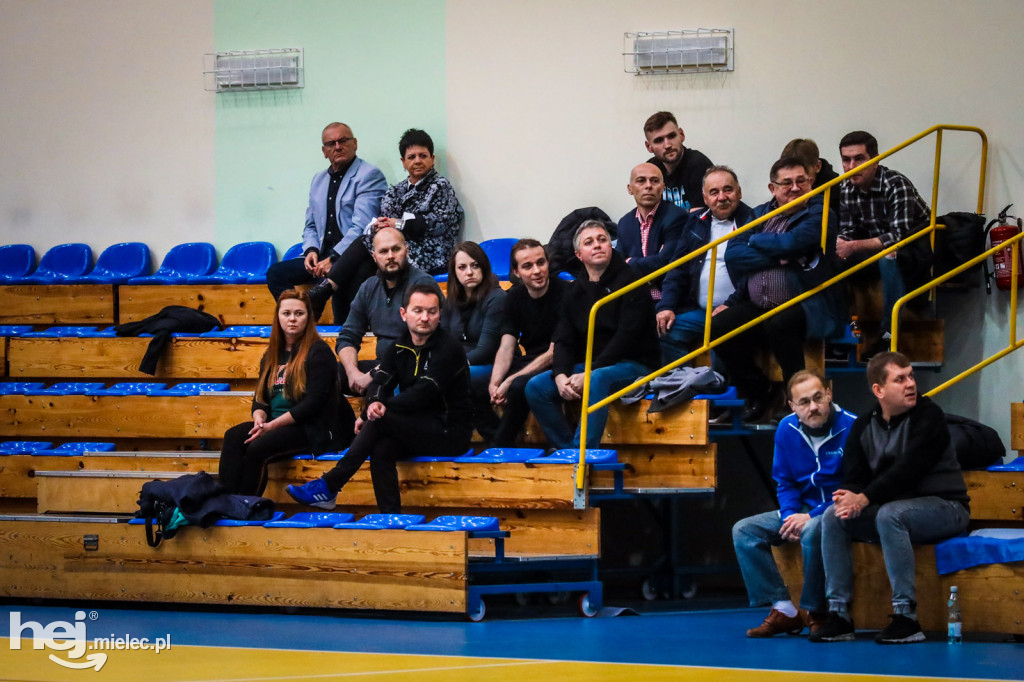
(430, 414)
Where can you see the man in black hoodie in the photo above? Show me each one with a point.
(902, 484)
(430, 415)
(625, 340)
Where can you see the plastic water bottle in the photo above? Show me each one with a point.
(954, 631)
(855, 328)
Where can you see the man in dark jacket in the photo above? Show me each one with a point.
(770, 267)
(902, 484)
(430, 415)
(625, 340)
(682, 310)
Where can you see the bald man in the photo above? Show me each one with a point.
(648, 234)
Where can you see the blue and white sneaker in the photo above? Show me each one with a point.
(313, 494)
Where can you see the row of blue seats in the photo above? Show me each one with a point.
(232, 332)
(500, 456)
(414, 522)
(36, 447)
(192, 263)
(99, 388)
(129, 263)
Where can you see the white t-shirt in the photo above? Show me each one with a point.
(723, 284)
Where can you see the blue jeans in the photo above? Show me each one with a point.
(892, 289)
(686, 333)
(753, 538)
(896, 525)
(546, 403)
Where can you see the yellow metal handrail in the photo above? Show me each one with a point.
(1014, 245)
(825, 190)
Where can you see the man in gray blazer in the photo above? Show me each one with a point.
(343, 199)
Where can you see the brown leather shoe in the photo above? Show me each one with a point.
(777, 623)
(815, 620)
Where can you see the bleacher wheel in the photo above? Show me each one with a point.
(478, 615)
(585, 607)
(649, 590)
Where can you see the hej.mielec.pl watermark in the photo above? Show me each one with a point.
(70, 637)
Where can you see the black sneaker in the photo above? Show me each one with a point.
(319, 294)
(902, 630)
(835, 629)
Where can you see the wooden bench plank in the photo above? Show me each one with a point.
(685, 424)
(229, 303)
(1017, 426)
(662, 467)
(990, 596)
(996, 495)
(70, 304)
(323, 568)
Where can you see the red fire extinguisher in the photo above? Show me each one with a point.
(1001, 228)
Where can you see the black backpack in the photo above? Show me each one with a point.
(977, 446)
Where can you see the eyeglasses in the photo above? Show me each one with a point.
(787, 183)
(340, 142)
(817, 398)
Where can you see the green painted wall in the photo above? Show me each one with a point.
(378, 66)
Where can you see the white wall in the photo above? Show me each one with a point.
(543, 119)
(107, 132)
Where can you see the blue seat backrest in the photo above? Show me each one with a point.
(81, 447)
(499, 252)
(65, 260)
(128, 259)
(19, 387)
(14, 329)
(193, 258)
(294, 251)
(249, 258)
(16, 260)
(23, 447)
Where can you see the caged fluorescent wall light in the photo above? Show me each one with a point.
(247, 70)
(686, 51)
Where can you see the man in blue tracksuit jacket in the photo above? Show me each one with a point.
(807, 469)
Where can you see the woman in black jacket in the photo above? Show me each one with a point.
(296, 406)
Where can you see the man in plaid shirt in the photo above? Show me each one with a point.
(877, 208)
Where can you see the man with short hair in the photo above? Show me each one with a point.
(681, 312)
(531, 314)
(807, 469)
(806, 150)
(343, 199)
(376, 307)
(771, 266)
(429, 415)
(902, 484)
(681, 168)
(625, 340)
(878, 207)
(648, 234)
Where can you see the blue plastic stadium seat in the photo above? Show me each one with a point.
(242, 262)
(311, 520)
(16, 261)
(503, 455)
(384, 521)
(68, 388)
(499, 252)
(79, 448)
(572, 456)
(181, 263)
(332, 456)
(61, 264)
(19, 387)
(129, 388)
(328, 329)
(238, 331)
(278, 515)
(190, 389)
(60, 331)
(302, 456)
(440, 458)
(15, 329)
(455, 523)
(1015, 465)
(728, 394)
(441, 278)
(118, 264)
(565, 275)
(23, 447)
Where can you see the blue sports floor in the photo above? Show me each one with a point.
(690, 645)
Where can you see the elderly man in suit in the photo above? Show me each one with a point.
(343, 199)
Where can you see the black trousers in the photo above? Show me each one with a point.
(243, 467)
(515, 411)
(782, 334)
(287, 274)
(348, 272)
(388, 440)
